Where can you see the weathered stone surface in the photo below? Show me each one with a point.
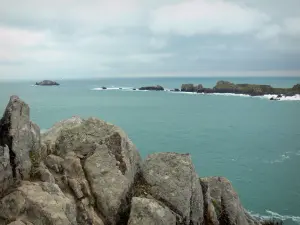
(50, 136)
(222, 203)
(39, 203)
(96, 154)
(150, 212)
(6, 175)
(47, 83)
(171, 178)
(21, 136)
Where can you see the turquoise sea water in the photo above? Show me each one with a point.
(252, 141)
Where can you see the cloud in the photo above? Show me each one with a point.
(269, 32)
(207, 17)
(292, 26)
(78, 38)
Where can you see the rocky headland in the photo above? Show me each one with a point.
(47, 83)
(87, 171)
(247, 89)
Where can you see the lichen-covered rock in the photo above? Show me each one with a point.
(6, 175)
(171, 178)
(21, 136)
(222, 203)
(39, 203)
(149, 212)
(94, 158)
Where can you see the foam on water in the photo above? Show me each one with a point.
(274, 215)
(283, 98)
(113, 88)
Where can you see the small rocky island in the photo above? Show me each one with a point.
(152, 88)
(47, 83)
(88, 172)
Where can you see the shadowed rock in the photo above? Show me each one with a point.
(22, 138)
(47, 83)
(222, 204)
(152, 88)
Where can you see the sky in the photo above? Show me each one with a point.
(143, 38)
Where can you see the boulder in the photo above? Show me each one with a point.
(222, 204)
(47, 83)
(152, 88)
(171, 178)
(21, 136)
(38, 203)
(187, 87)
(92, 156)
(148, 212)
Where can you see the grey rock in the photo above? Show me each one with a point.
(152, 88)
(40, 204)
(171, 178)
(223, 204)
(108, 158)
(150, 212)
(47, 83)
(21, 136)
(6, 175)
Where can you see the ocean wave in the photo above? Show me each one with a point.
(283, 98)
(283, 157)
(113, 88)
(274, 215)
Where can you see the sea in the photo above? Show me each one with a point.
(252, 141)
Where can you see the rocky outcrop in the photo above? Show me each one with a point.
(20, 138)
(191, 88)
(247, 89)
(47, 83)
(222, 204)
(152, 88)
(87, 171)
(171, 179)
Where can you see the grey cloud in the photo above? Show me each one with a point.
(98, 38)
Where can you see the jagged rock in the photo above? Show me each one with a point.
(50, 136)
(222, 203)
(108, 158)
(21, 136)
(171, 178)
(47, 83)
(187, 87)
(6, 175)
(149, 212)
(38, 203)
(152, 88)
